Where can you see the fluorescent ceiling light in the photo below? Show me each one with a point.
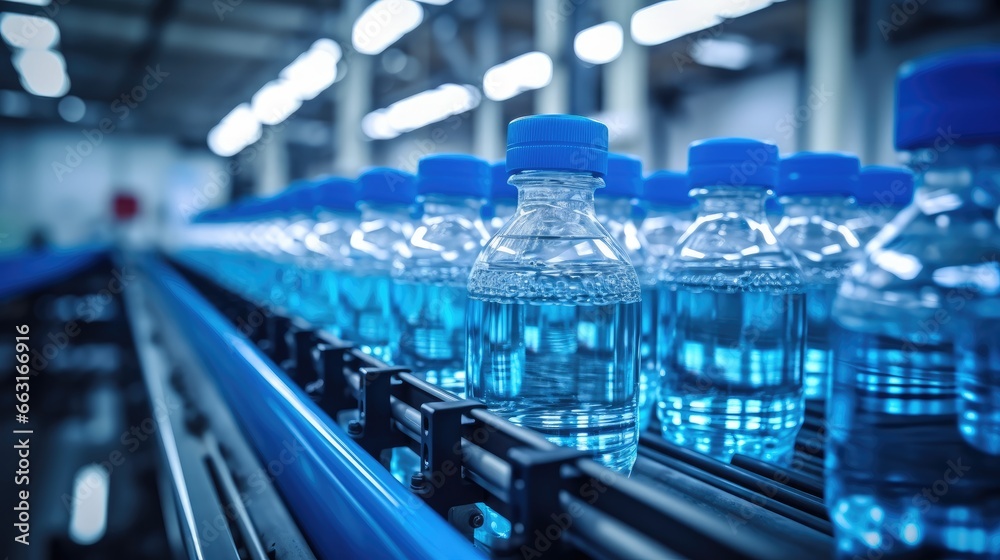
(376, 126)
(274, 102)
(33, 2)
(306, 77)
(43, 73)
(314, 70)
(599, 44)
(523, 73)
(383, 23)
(28, 32)
(88, 518)
(666, 21)
(722, 53)
(738, 8)
(420, 110)
(235, 131)
(435, 2)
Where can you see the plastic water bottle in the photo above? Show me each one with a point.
(618, 211)
(732, 355)
(387, 197)
(901, 480)
(815, 190)
(553, 323)
(432, 270)
(299, 203)
(503, 199)
(881, 193)
(669, 213)
(269, 233)
(330, 254)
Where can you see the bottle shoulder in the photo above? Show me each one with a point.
(733, 252)
(442, 249)
(921, 267)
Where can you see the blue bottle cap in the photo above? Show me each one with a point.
(886, 186)
(501, 190)
(667, 188)
(732, 161)
(557, 143)
(949, 98)
(818, 173)
(384, 185)
(336, 193)
(453, 175)
(624, 178)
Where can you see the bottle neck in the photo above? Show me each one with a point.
(449, 205)
(956, 178)
(815, 205)
(746, 200)
(569, 189)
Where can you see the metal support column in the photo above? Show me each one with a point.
(488, 127)
(551, 30)
(353, 151)
(828, 69)
(626, 88)
(272, 161)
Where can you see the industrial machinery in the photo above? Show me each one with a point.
(271, 438)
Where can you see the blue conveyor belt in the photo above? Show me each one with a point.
(345, 502)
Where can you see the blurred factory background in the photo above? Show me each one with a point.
(185, 104)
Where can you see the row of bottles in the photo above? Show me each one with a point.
(725, 298)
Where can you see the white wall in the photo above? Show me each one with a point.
(62, 180)
(761, 107)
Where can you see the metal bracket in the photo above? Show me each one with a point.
(300, 366)
(536, 482)
(277, 346)
(441, 484)
(335, 394)
(375, 431)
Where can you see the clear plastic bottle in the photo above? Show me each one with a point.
(901, 481)
(300, 205)
(432, 269)
(669, 213)
(815, 190)
(881, 193)
(331, 253)
(618, 211)
(386, 201)
(503, 199)
(554, 312)
(732, 354)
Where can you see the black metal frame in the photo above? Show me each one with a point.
(560, 504)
